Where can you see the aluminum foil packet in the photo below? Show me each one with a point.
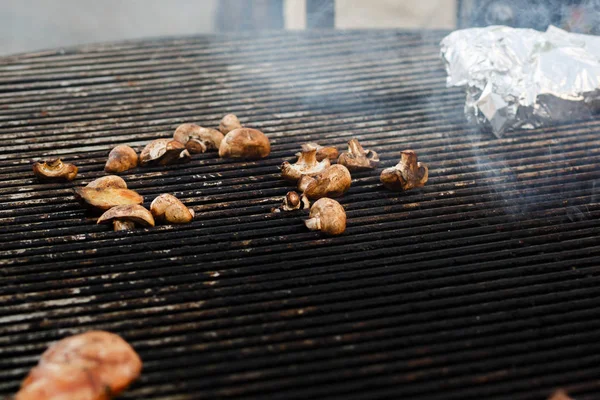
(523, 78)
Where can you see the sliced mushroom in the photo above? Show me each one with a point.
(328, 216)
(229, 123)
(357, 158)
(307, 164)
(126, 217)
(163, 152)
(334, 181)
(407, 174)
(169, 208)
(246, 143)
(106, 198)
(54, 170)
(293, 201)
(198, 139)
(108, 181)
(329, 152)
(120, 159)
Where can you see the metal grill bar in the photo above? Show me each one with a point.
(482, 284)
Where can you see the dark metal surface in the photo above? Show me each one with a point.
(484, 284)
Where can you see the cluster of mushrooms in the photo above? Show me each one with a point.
(317, 179)
(122, 206)
(320, 174)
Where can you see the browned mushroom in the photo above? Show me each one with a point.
(94, 365)
(54, 170)
(293, 201)
(229, 123)
(329, 152)
(120, 159)
(198, 139)
(328, 216)
(169, 208)
(357, 158)
(106, 198)
(332, 182)
(246, 143)
(307, 164)
(560, 395)
(407, 174)
(164, 152)
(108, 181)
(126, 217)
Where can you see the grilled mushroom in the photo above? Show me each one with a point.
(169, 208)
(120, 159)
(126, 217)
(329, 152)
(108, 181)
(307, 164)
(293, 201)
(334, 181)
(357, 158)
(106, 198)
(198, 139)
(246, 143)
(407, 174)
(54, 170)
(229, 123)
(95, 365)
(560, 395)
(164, 152)
(328, 216)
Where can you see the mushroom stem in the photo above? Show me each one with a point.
(314, 223)
(308, 157)
(355, 148)
(409, 159)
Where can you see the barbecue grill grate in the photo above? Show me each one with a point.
(484, 284)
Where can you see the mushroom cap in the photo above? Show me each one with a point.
(332, 182)
(293, 201)
(132, 212)
(153, 151)
(176, 158)
(62, 381)
(357, 158)
(246, 143)
(106, 198)
(169, 208)
(162, 151)
(328, 216)
(198, 139)
(54, 170)
(307, 164)
(120, 159)
(407, 174)
(560, 394)
(104, 357)
(108, 181)
(229, 123)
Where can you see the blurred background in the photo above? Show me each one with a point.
(28, 25)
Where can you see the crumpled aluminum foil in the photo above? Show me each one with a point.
(522, 78)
